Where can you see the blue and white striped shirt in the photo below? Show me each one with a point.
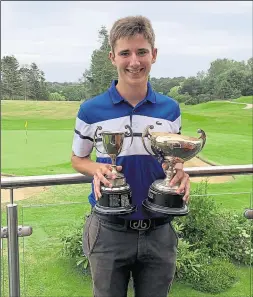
(113, 113)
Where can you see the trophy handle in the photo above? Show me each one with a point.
(203, 137)
(130, 133)
(144, 134)
(96, 137)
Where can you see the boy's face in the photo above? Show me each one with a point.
(133, 58)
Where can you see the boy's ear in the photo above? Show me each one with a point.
(154, 55)
(112, 58)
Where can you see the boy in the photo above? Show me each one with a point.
(114, 246)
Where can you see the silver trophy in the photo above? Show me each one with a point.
(171, 149)
(118, 199)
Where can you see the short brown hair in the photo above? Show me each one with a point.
(130, 26)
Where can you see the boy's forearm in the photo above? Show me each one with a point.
(84, 165)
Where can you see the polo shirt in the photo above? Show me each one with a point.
(113, 112)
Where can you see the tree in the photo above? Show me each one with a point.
(74, 92)
(247, 85)
(163, 85)
(192, 86)
(223, 89)
(222, 65)
(101, 71)
(56, 97)
(44, 94)
(201, 75)
(24, 75)
(175, 94)
(34, 82)
(37, 86)
(11, 81)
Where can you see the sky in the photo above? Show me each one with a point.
(60, 36)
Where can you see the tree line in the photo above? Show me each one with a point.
(27, 82)
(225, 79)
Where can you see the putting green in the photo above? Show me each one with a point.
(42, 148)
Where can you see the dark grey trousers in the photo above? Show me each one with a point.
(115, 251)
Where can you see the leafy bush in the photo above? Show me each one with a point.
(72, 247)
(214, 277)
(180, 98)
(191, 101)
(56, 97)
(216, 232)
(203, 98)
(187, 261)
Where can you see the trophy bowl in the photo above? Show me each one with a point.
(116, 200)
(170, 149)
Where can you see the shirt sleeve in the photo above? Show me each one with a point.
(177, 122)
(83, 135)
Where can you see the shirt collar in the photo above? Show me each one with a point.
(117, 98)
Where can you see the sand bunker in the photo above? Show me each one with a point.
(20, 194)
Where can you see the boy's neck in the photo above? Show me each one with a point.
(133, 95)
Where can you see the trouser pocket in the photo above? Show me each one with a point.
(85, 235)
(90, 234)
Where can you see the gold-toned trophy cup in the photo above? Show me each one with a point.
(171, 149)
(118, 199)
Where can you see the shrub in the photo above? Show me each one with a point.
(72, 247)
(214, 277)
(187, 261)
(203, 98)
(216, 232)
(56, 97)
(192, 101)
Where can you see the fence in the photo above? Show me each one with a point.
(12, 231)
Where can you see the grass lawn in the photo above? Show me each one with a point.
(46, 147)
(228, 128)
(54, 213)
(244, 99)
(46, 152)
(224, 195)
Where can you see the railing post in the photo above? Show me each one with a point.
(11, 196)
(13, 250)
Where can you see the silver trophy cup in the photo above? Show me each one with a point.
(171, 149)
(118, 199)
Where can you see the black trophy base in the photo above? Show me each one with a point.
(165, 203)
(115, 201)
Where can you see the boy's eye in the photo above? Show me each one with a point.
(124, 54)
(142, 53)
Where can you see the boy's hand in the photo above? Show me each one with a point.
(99, 177)
(181, 177)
